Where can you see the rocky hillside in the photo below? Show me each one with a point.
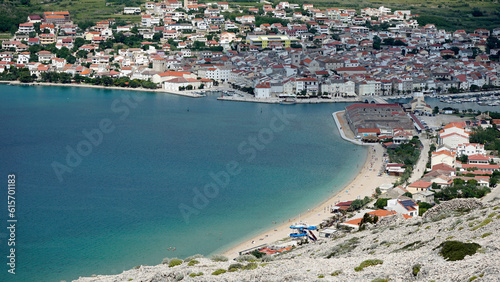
(455, 241)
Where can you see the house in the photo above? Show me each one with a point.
(453, 135)
(407, 207)
(394, 169)
(342, 206)
(263, 90)
(419, 186)
(470, 149)
(424, 197)
(47, 38)
(479, 159)
(44, 56)
(445, 157)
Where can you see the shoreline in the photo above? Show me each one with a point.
(279, 100)
(190, 94)
(363, 184)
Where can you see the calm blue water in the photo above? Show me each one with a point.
(119, 205)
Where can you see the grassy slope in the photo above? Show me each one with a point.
(83, 10)
(448, 14)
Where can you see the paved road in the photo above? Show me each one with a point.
(422, 160)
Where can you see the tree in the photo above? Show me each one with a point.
(435, 110)
(376, 42)
(71, 59)
(381, 203)
(474, 88)
(82, 54)
(63, 53)
(107, 81)
(79, 42)
(407, 194)
(25, 77)
(133, 83)
(423, 207)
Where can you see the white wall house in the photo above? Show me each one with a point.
(263, 90)
(470, 149)
(408, 207)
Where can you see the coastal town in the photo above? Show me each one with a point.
(427, 170)
(275, 52)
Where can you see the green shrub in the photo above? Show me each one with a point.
(267, 258)
(193, 262)
(472, 278)
(250, 266)
(484, 223)
(241, 258)
(321, 276)
(234, 267)
(456, 250)
(188, 259)
(196, 274)
(380, 280)
(416, 269)
(257, 254)
(344, 247)
(175, 262)
(486, 234)
(219, 271)
(366, 263)
(219, 258)
(336, 273)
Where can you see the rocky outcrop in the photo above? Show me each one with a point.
(453, 205)
(408, 250)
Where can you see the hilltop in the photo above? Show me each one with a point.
(395, 249)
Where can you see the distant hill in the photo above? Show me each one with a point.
(450, 15)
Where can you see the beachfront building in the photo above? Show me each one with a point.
(361, 117)
(405, 207)
(263, 90)
(164, 76)
(419, 186)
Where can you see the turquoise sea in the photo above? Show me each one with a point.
(141, 172)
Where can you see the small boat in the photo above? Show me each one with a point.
(288, 101)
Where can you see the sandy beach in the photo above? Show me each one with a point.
(364, 184)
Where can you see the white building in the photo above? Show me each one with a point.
(263, 90)
(470, 149)
(131, 10)
(408, 207)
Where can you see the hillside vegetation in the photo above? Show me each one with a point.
(16, 11)
(447, 14)
(454, 241)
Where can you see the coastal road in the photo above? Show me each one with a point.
(419, 168)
